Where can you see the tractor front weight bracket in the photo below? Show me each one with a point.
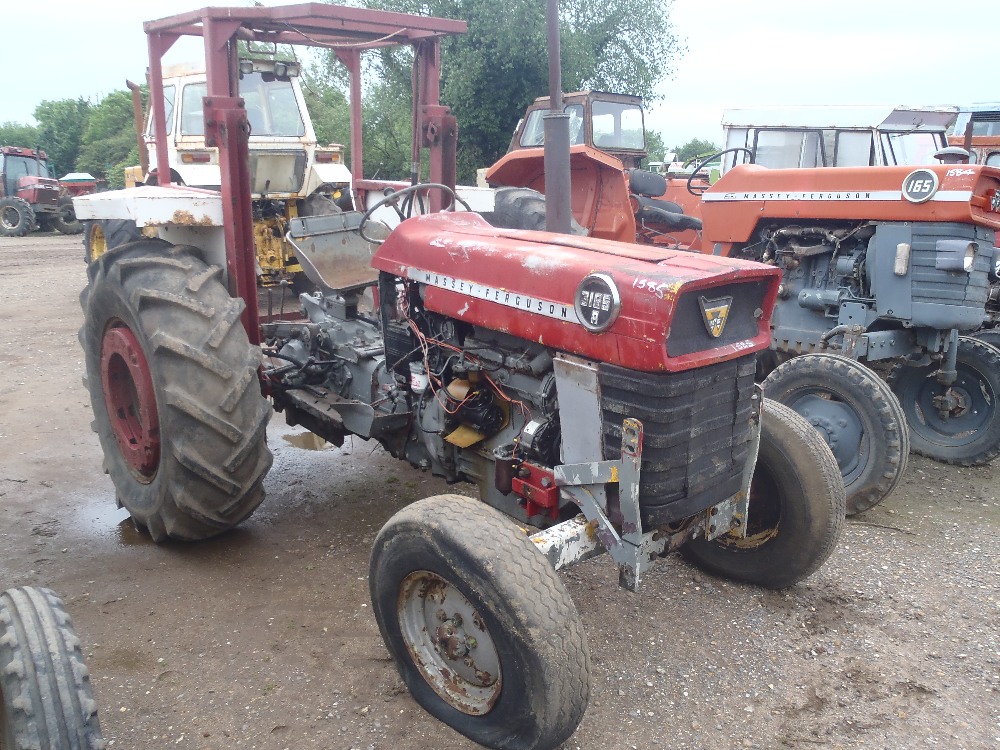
(592, 532)
(582, 537)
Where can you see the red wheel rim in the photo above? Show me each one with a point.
(130, 400)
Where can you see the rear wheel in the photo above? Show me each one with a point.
(46, 700)
(857, 415)
(481, 629)
(797, 508)
(16, 217)
(173, 384)
(65, 220)
(968, 433)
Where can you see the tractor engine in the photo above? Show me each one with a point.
(492, 357)
(903, 286)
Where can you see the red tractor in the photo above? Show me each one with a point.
(599, 391)
(30, 198)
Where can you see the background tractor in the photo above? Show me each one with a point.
(30, 197)
(829, 230)
(290, 173)
(599, 391)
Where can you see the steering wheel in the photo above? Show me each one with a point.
(406, 212)
(698, 167)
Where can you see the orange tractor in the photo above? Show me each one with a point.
(886, 266)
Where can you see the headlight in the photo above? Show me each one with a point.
(955, 255)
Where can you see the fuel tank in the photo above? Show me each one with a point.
(640, 307)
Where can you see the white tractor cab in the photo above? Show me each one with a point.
(845, 136)
(290, 174)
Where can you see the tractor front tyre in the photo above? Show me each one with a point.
(857, 415)
(102, 235)
(65, 221)
(16, 217)
(956, 425)
(523, 208)
(46, 699)
(797, 508)
(174, 389)
(481, 629)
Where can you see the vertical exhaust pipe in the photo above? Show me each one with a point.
(558, 206)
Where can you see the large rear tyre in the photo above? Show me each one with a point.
(523, 208)
(16, 217)
(173, 384)
(797, 507)
(102, 235)
(481, 629)
(65, 221)
(46, 700)
(857, 415)
(969, 434)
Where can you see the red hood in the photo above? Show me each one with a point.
(525, 283)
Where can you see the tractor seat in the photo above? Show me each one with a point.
(645, 187)
(658, 211)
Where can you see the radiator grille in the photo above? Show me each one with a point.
(931, 285)
(696, 428)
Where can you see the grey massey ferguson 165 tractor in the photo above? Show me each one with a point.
(601, 392)
(46, 700)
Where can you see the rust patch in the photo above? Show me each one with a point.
(186, 218)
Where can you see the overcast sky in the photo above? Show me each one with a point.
(739, 53)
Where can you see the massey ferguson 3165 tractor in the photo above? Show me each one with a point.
(601, 392)
(880, 265)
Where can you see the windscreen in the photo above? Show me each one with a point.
(270, 103)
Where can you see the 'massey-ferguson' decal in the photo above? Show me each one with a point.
(505, 297)
(944, 196)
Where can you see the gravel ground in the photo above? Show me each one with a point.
(264, 638)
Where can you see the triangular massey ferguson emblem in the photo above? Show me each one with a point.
(715, 313)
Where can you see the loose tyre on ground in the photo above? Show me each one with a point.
(797, 508)
(16, 217)
(173, 384)
(46, 700)
(857, 415)
(522, 208)
(481, 629)
(969, 435)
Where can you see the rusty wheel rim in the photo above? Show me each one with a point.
(449, 643)
(130, 400)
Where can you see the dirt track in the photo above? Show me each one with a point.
(264, 638)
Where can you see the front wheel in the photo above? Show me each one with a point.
(481, 629)
(965, 428)
(857, 415)
(797, 508)
(46, 700)
(174, 389)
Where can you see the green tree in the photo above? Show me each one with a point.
(491, 73)
(695, 147)
(109, 143)
(61, 124)
(655, 147)
(17, 134)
